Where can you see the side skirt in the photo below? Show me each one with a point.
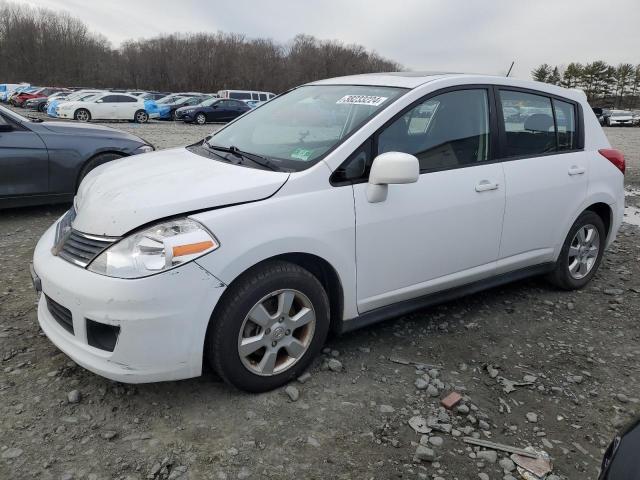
(408, 306)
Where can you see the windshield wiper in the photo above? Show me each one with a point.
(254, 157)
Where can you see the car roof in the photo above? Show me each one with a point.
(415, 79)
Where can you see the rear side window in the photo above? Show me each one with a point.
(263, 97)
(240, 95)
(110, 99)
(528, 123)
(566, 124)
(446, 131)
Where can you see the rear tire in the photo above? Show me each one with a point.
(82, 115)
(581, 252)
(141, 116)
(41, 108)
(291, 312)
(94, 162)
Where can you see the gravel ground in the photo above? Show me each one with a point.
(535, 366)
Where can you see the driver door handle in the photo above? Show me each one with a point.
(486, 185)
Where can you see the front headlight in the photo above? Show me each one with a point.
(155, 249)
(143, 149)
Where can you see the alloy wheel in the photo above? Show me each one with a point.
(141, 117)
(201, 119)
(583, 251)
(276, 332)
(82, 116)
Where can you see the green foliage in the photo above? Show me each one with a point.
(605, 85)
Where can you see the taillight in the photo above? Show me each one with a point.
(614, 156)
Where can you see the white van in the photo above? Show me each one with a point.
(246, 95)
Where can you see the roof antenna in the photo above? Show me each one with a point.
(510, 68)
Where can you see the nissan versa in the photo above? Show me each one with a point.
(335, 205)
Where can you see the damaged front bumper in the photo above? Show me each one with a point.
(161, 320)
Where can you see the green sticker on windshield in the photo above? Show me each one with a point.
(302, 154)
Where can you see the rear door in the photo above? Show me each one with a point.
(546, 173)
(125, 107)
(24, 161)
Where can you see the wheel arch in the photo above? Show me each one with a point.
(318, 267)
(84, 164)
(604, 211)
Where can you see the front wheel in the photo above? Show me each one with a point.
(201, 119)
(581, 253)
(82, 115)
(269, 326)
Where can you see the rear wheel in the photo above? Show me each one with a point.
(201, 119)
(141, 116)
(269, 326)
(41, 108)
(581, 252)
(82, 115)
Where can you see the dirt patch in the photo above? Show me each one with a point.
(535, 366)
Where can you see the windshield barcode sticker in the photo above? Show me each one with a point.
(372, 100)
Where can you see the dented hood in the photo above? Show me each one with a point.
(119, 196)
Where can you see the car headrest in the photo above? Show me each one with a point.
(538, 122)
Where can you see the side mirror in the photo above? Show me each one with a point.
(99, 101)
(214, 106)
(391, 168)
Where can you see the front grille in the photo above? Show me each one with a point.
(61, 314)
(81, 249)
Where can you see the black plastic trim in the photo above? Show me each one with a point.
(407, 306)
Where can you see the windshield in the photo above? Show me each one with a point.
(621, 113)
(296, 129)
(208, 102)
(169, 99)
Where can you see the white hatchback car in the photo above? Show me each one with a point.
(105, 106)
(338, 204)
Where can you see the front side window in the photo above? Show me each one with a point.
(528, 123)
(446, 131)
(296, 129)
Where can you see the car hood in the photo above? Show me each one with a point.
(79, 129)
(122, 195)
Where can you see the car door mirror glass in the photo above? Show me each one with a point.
(391, 168)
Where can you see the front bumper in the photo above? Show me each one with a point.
(162, 318)
(63, 113)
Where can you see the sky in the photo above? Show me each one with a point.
(443, 35)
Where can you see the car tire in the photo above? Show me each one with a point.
(94, 162)
(174, 116)
(283, 351)
(201, 119)
(41, 108)
(581, 252)
(82, 115)
(141, 116)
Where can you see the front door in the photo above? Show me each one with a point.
(24, 161)
(444, 230)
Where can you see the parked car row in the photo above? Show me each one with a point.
(85, 104)
(613, 118)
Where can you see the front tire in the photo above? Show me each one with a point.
(581, 252)
(82, 115)
(95, 162)
(269, 326)
(201, 119)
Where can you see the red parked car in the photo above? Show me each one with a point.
(18, 100)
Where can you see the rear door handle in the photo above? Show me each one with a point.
(486, 185)
(576, 170)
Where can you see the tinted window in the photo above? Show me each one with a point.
(528, 123)
(566, 122)
(240, 95)
(446, 131)
(126, 99)
(110, 99)
(263, 97)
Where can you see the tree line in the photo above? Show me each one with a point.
(605, 85)
(48, 48)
